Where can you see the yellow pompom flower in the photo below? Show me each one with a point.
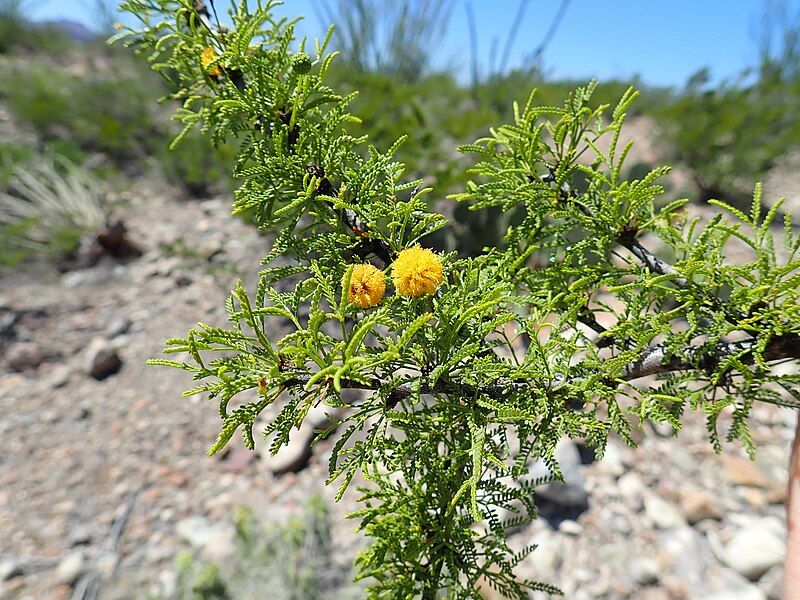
(367, 285)
(416, 271)
(208, 56)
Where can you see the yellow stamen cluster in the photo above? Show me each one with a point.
(208, 56)
(416, 271)
(367, 285)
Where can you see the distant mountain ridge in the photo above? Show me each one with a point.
(74, 30)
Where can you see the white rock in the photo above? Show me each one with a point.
(612, 463)
(754, 550)
(663, 514)
(70, 568)
(750, 592)
(106, 564)
(546, 559)
(9, 569)
(689, 553)
(292, 457)
(570, 527)
(630, 487)
(643, 570)
(736, 587)
(215, 541)
(772, 583)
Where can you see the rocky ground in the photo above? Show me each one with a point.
(104, 477)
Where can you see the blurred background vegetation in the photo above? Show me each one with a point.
(67, 96)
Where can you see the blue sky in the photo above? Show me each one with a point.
(663, 41)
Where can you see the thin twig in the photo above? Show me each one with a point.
(653, 361)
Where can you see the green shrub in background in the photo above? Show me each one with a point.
(734, 132)
(196, 168)
(45, 209)
(395, 37)
(111, 112)
(294, 560)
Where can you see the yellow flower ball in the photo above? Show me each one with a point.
(416, 271)
(367, 285)
(208, 56)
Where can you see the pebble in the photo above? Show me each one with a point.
(572, 492)
(102, 359)
(547, 557)
(698, 505)
(59, 376)
(8, 319)
(689, 553)
(292, 457)
(214, 540)
(663, 514)
(741, 471)
(118, 326)
(735, 587)
(754, 549)
(24, 355)
(82, 534)
(106, 564)
(612, 462)
(631, 488)
(772, 582)
(72, 566)
(663, 430)
(570, 527)
(9, 569)
(643, 570)
(620, 524)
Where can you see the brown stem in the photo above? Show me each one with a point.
(791, 567)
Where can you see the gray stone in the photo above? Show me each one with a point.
(167, 584)
(106, 564)
(196, 531)
(689, 553)
(8, 319)
(102, 359)
(663, 514)
(59, 376)
(631, 488)
(9, 569)
(612, 461)
(735, 587)
(570, 527)
(548, 554)
(643, 570)
(82, 534)
(772, 583)
(215, 541)
(754, 550)
(72, 566)
(294, 456)
(572, 492)
(620, 524)
(321, 416)
(662, 429)
(118, 326)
